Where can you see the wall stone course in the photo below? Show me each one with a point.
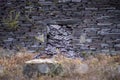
(82, 25)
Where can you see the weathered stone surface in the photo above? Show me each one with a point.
(104, 24)
(61, 38)
(62, 24)
(68, 21)
(42, 66)
(83, 38)
(91, 8)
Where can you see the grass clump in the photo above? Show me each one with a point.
(12, 20)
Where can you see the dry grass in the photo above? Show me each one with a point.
(101, 67)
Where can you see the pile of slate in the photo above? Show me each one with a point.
(59, 40)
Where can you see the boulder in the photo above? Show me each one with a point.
(58, 65)
(41, 67)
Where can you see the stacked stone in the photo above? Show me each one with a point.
(72, 25)
(60, 39)
(98, 32)
(25, 36)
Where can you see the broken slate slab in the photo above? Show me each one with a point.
(56, 26)
(68, 21)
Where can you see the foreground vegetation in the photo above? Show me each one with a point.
(101, 67)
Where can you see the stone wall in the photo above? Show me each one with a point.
(68, 26)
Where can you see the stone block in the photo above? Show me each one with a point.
(46, 3)
(56, 26)
(108, 8)
(118, 26)
(41, 67)
(104, 24)
(78, 14)
(104, 31)
(36, 18)
(88, 40)
(76, 41)
(115, 31)
(92, 8)
(105, 51)
(68, 21)
(104, 17)
(9, 40)
(25, 25)
(90, 30)
(104, 45)
(76, 0)
(117, 45)
(112, 34)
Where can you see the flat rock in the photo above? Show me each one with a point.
(34, 61)
(68, 21)
(42, 66)
(56, 26)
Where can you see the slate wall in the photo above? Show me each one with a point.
(95, 24)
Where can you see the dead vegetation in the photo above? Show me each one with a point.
(101, 67)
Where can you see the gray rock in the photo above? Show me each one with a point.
(35, 46)
(65, 33)
(71, 53)
(63, 0)
(118, 25)
(58, 37)
(76, 0)
(68, 21)
(104, 24)
(91, 8)
(56, 26)
(83, 38)
(108, 8)
(91, 29)
(117, 45)
(63, 50)
(104, 45)
(68, 37)
(105, 51)
(103, 17)
(31, 51)
(104, 31)
(115, 30)
(41, 67)
(93, 48)
(9, 40)
(89, 40)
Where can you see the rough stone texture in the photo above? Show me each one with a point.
(72, 26)
(41, 67)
